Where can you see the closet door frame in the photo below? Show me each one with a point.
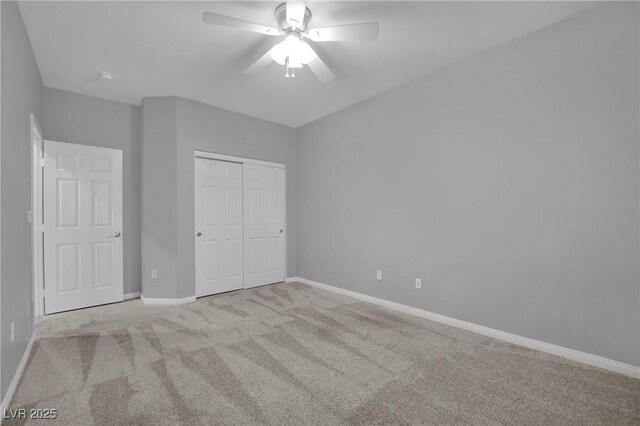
(243, 161)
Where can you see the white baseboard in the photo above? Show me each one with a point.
(135, 295)
(163, 301)
(586, 358)
(6, 401)
(292, 279)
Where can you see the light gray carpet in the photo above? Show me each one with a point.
(293, 354)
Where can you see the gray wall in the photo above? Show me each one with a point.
(207, 128)
(159, 198)
(69, 117)
(508, 182)
(21, 95)
(172, 129)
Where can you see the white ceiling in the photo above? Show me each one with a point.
(164, 49)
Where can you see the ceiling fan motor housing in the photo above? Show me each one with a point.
(280, 16)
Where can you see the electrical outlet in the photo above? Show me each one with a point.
(13, 330)
(379, 275)
(419, 283)
(154, 274)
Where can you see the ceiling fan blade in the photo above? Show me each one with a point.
(295, 13)
(259, 65)
(364, 31)
(321, 70)
(227, 21)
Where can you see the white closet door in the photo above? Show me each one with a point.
(82, 226)
(264, 220)
(218, 226)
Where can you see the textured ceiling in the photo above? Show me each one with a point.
(164, 49)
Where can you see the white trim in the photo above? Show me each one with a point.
(286, 228)
(586, 358)
(233, 159)
(1, 230)
(37, 249)
(163, 301)
(134, 295)
(6, 401)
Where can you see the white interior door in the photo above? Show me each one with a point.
(218, 226)
(82, 226)
(264, 219)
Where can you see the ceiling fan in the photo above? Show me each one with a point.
(294, 51)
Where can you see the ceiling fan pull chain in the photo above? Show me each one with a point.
(287, 65)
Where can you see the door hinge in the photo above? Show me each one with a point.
(42, 162)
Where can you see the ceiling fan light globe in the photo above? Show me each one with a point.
(291, 41)
(297, 51)
(284, 49)
(279, 54)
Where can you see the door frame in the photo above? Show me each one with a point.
(242, 160)
(36, 217)
(234, 159)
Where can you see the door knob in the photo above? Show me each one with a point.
(116, 235)
(281, 231)
(199, 234)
